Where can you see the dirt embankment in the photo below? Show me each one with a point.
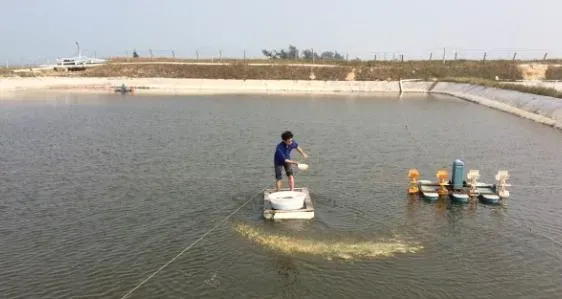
(287, 70)
(358, 72)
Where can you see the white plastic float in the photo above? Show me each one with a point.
(428, 189)
(287, 200)
(287, 204)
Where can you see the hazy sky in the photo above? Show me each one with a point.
(37, 30)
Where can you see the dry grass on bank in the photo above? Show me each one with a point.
(364, 71)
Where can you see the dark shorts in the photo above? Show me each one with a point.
(278, 169)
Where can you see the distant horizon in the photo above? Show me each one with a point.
(39, 31)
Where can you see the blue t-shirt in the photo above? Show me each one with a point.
(283, 152)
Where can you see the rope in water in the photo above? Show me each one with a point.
(407, 127)
(186, 249)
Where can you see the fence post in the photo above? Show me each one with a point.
(444, 55)
(430, 56)
(245, 66)
(545, 55)
(197, 55)
(173, 54)
(514, 55)
(150, 51)
(484, 58)
(220, 55)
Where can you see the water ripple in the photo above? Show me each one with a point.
(97, 192)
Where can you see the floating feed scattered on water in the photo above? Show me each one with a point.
(346, 250)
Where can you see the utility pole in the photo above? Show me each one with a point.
(78, 49)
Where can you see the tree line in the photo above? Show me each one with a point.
(307, 54)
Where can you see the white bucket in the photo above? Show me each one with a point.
(287, 200)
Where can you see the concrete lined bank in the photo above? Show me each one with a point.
(195, 86)
(543, 109)
(544, 84)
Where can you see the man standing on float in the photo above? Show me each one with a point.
(282, 159)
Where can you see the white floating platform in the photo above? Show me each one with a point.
(270, 213)
(428, 192)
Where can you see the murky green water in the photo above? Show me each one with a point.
(98, 192)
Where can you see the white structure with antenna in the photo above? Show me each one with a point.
(78, 62)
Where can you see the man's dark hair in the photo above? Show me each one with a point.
(286, 135)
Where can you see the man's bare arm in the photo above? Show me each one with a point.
(301, 151)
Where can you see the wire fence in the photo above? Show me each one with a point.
(292, 53)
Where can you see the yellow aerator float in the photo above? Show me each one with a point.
(413, 174)
(459, 189)
(442, 176)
